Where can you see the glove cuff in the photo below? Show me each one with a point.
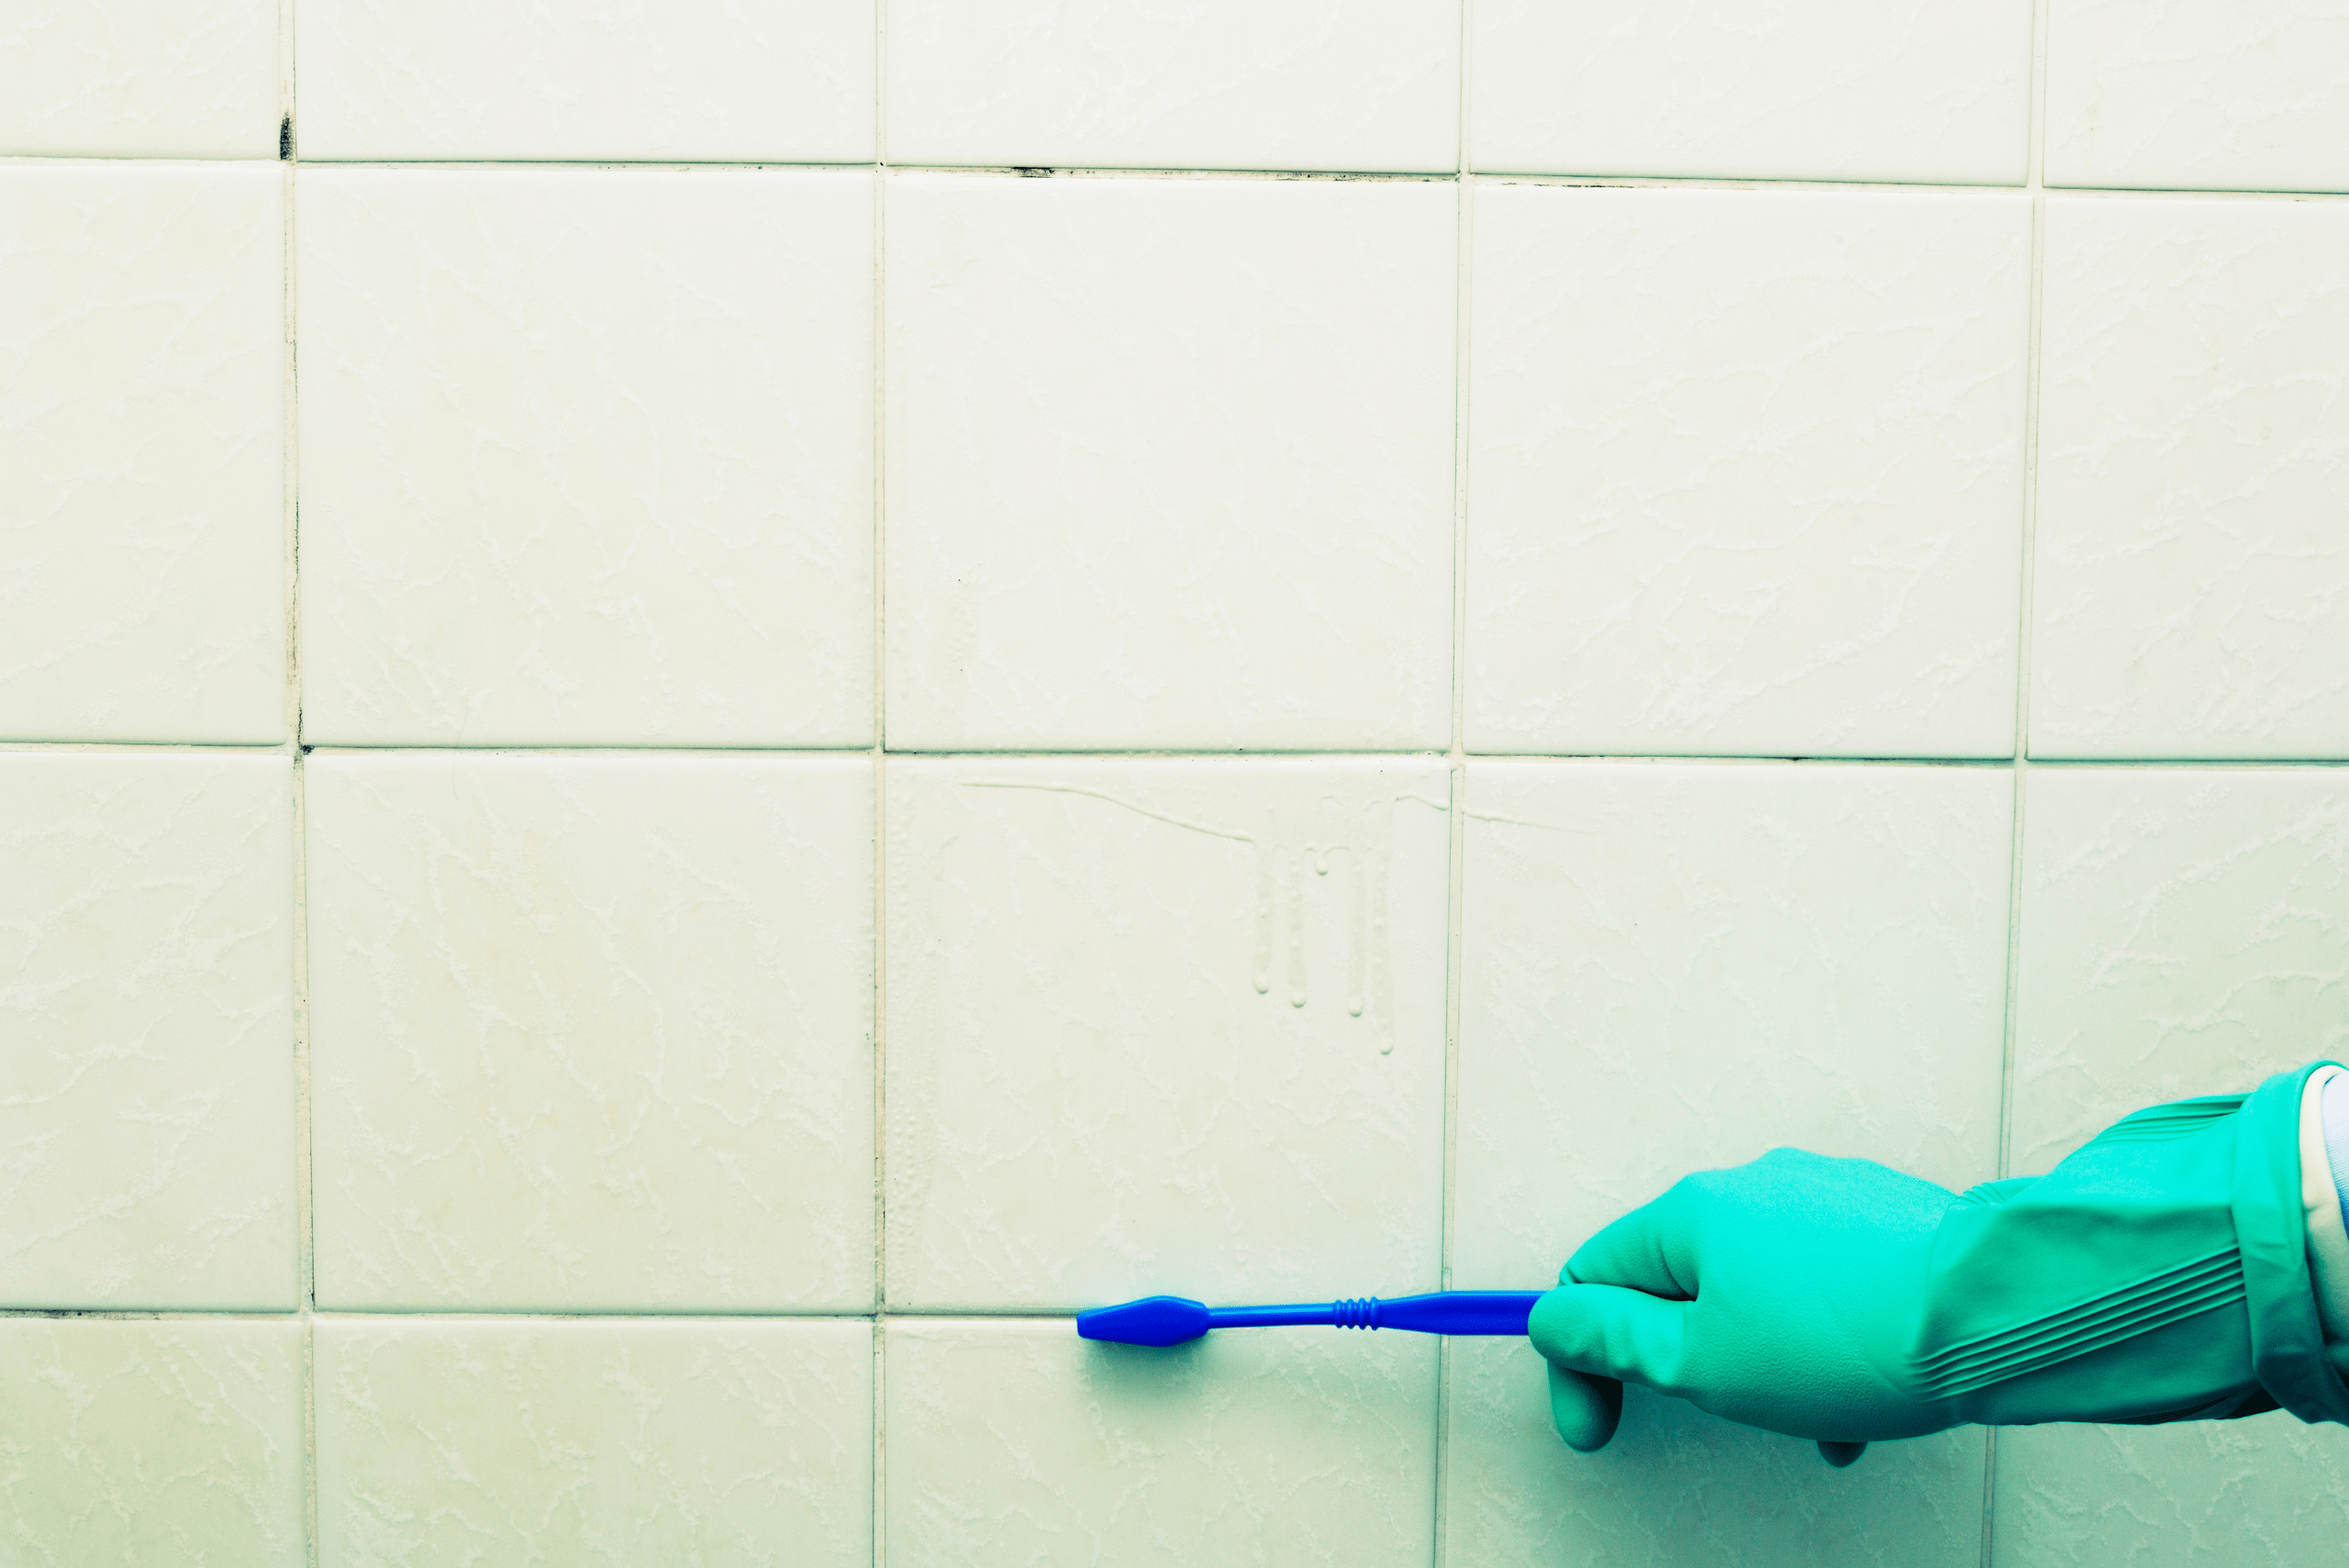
(2274, 1212)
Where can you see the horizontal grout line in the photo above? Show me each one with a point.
(491, 1314)
(617, 165)
(2085, 762)
(42, 159)
(250, 748)
(2192, 192)
(1744, 183)
(149, 1314)
(1143, 171)
(842, 753)
(2236, 764)
(808, 754)
(1592, 181)
(1582, 181)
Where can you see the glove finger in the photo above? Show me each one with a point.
(1584, 1408)
(1639, 1250)
(1611, 1332)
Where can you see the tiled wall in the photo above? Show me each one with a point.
(682, 753)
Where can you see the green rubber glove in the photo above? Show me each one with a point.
(2159, 1274)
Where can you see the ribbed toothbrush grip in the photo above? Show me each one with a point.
(1359, 1313)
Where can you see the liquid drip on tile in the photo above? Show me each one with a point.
(1301, 841)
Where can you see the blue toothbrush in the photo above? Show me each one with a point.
(1173, 1319)
(1177, 1319)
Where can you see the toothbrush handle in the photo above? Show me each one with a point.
(1459, 1312)
(1442, 1312)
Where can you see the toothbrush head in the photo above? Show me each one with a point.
(1152, 1320)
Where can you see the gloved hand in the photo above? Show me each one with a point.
(2158, 1273)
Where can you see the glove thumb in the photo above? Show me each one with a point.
(1584, 1408)
(1594, 1335)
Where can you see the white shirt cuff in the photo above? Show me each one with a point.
(2324, 1152)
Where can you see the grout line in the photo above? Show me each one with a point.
(2034, 182)
(864, 753)
(1457, 755)
(572, 750)
(1583, 181)
(250, 748)
(2023, 649)
(650, 1314)
(2025, 611)
(305, 1141)
(878, 1476)
(1989, 1490)
(1463, 282)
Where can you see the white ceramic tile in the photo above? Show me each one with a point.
(1207, 85)
(1669, 968)
(1920, 90)
(1015, 1442)
(2262, 1493)
(587, 457)
(1170, 464)
(142, 521)
(146, 1031)
(1746, 472)
(2193, 476)
(1678, 1488)
(2184, 932)
(1163, 1027)
(139, 79)
(786, 81)
(135, 1442)
(592, 1033)
(2203, 94)
(710, 1444)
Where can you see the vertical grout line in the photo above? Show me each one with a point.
(1462, 220)
(304, 1153)
(2024, 609)
(880, 778)
(305, 1209)
(2025, 613)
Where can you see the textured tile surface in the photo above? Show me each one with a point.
(2184, 932)
(587, 457)
(139, 79)
(2193, 476)
(1920, 90)
(1211, 84)
(2202, 94)
(1678, 1488)
(1163, 1026)
(788, 81)
(142, 522)
(1170, 464)
(592, 1033)
(2262, 1493)
(133, 1443)
(1746, 472)
(1673, 968)
(1018, 1442)
(709, 1444)
(146, 1031)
